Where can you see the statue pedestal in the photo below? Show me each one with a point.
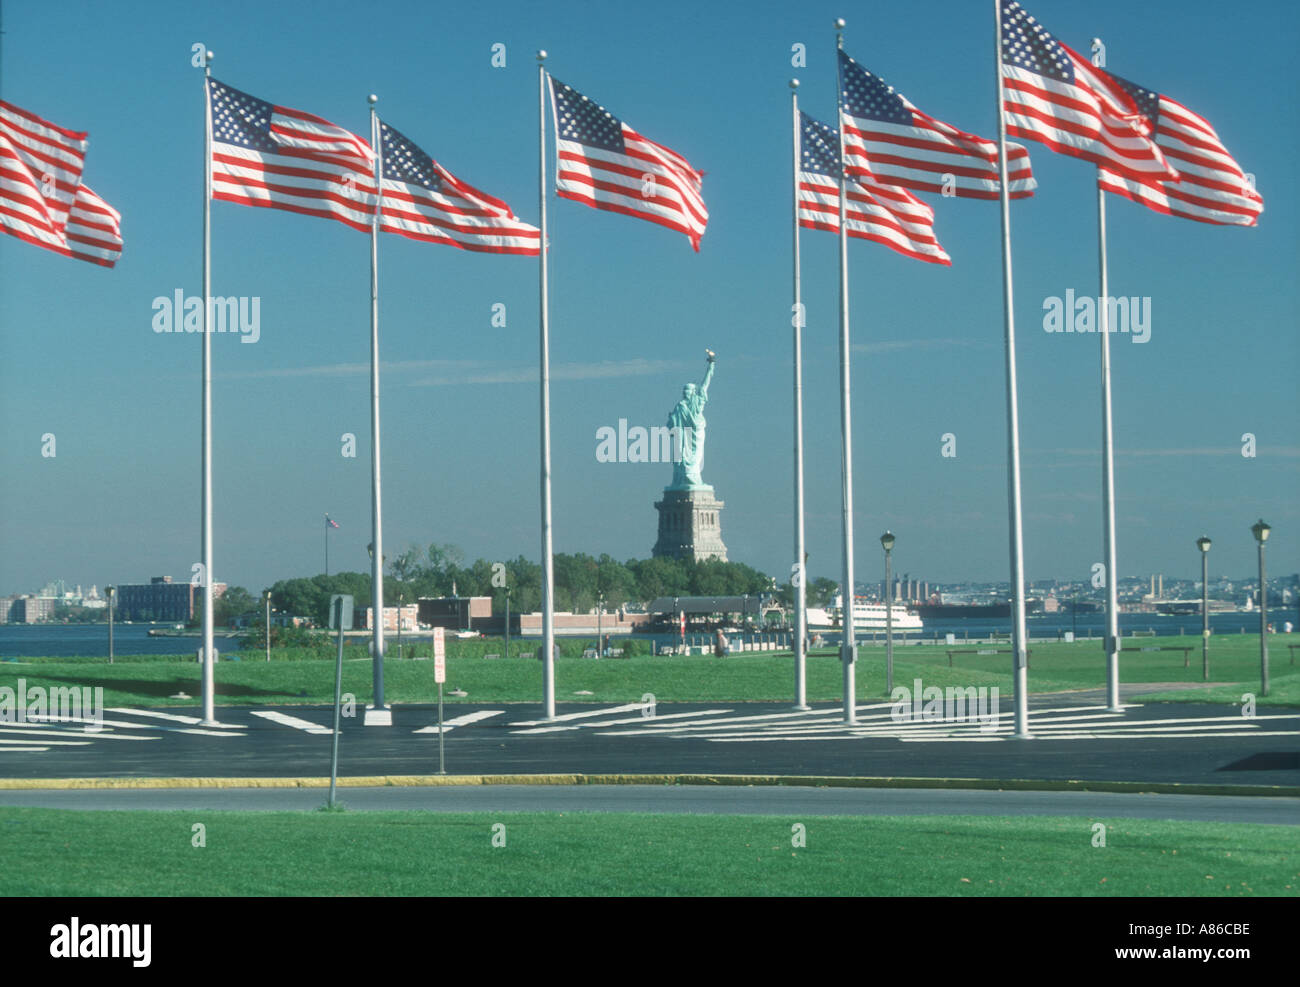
(689, 525)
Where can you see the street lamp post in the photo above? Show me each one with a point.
(600, 610)
(507, 635)
(1203, 543)
(377, 618)
(887, 543)
(1261, 530)
(401, 598)
(268, 625)
(111, 590)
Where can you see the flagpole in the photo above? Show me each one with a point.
(327, 544)
(548, 616)
(208, 687)
(800, 591)
(1020, 657)
(376, 509)
(1108, 469)
(848, 642)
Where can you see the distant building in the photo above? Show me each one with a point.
(409, 614)
(456, 613)
(160, 599)
(6, 608)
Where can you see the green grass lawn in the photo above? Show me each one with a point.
(413, 853)
(151, 680)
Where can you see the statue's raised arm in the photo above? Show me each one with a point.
(708, 375)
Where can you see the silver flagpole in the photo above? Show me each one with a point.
(376, 508)
(800, 588)
(1107, 466)
(548, 593)
(209, 713)
(848, 644)
(1108, 469)
(1020, 659)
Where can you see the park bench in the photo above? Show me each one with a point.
(1168, 647)
(491, 656)
(985, 651)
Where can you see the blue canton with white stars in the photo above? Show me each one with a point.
(404, 162)
(867, 96)
(1027, 45)
(819, 147)
(241, 119)
(586, 121)
(1148, 103)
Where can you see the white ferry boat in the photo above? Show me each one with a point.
(867, 616)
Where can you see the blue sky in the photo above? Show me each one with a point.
(632, 306)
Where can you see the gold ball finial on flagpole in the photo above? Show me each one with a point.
(794, 83)
(541, 55)
(372, 99)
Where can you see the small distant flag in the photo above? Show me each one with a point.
(1212, 187)
(888, 138)
(603, 162)
(1055, 96)
(874, 211)
(42, 199)
(424, 201)
(330, 522)
(278, 158)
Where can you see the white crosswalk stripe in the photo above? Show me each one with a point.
(462, 721)
(876, 721)
(41, 734)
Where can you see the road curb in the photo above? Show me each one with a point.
(805, 781)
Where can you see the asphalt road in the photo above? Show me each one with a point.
(780, 801)
(1075, 738)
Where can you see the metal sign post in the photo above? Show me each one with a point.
(341, 618)
(440, 676)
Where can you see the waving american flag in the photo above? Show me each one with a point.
(1212, 187)
(885, 136)
(874, 211)
(606, 164)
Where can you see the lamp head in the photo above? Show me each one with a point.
(1203, 543)
(1260, 530)
(887, 541)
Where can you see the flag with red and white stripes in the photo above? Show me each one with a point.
(603, 162)
(424, 201)
(888, 138)
(1053, 95)
(886, 214)
(278, 158)
(94, 231)
(42, 199)
(1212, 186)
(43, 166)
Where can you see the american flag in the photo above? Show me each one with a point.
(606, 164)
(874, 211)
(330, 522)
(885, 136)
(1212, 186)
(1055, 96)
(424, 201)
(275, 157)
(42, 200)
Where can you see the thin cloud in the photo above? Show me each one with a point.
(346, 369)
(1285, 452)
(899, 345)
(605, 370)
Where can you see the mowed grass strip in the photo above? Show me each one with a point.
(1234, 667)
(64, 852)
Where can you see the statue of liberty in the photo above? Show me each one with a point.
(688, 418)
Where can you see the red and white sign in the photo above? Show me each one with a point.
(439, 655)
